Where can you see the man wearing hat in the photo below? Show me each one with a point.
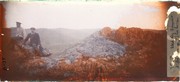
(19, 31)
(34, 39)
(17, 35)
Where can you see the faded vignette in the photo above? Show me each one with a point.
(2, 25)
(149, 54)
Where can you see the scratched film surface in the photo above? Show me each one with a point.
(173, 42)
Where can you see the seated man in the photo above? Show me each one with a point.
(19, 32)
(34, 41)
(17, 35)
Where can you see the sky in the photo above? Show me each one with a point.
(85, 15)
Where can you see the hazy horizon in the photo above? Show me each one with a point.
(85, 15)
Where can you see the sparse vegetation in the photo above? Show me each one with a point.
(145, 59)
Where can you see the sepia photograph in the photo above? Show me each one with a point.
(86, 40)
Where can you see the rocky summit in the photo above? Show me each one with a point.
(95, 45)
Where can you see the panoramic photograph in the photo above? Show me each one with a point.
(85, 41)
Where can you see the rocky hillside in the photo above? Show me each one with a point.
(95, 45)
(141, 55)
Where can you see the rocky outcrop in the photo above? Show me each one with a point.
(106, 31)
(95, 45)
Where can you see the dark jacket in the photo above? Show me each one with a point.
(34, 39)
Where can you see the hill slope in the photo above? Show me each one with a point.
(95, 45)
(144, 58)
